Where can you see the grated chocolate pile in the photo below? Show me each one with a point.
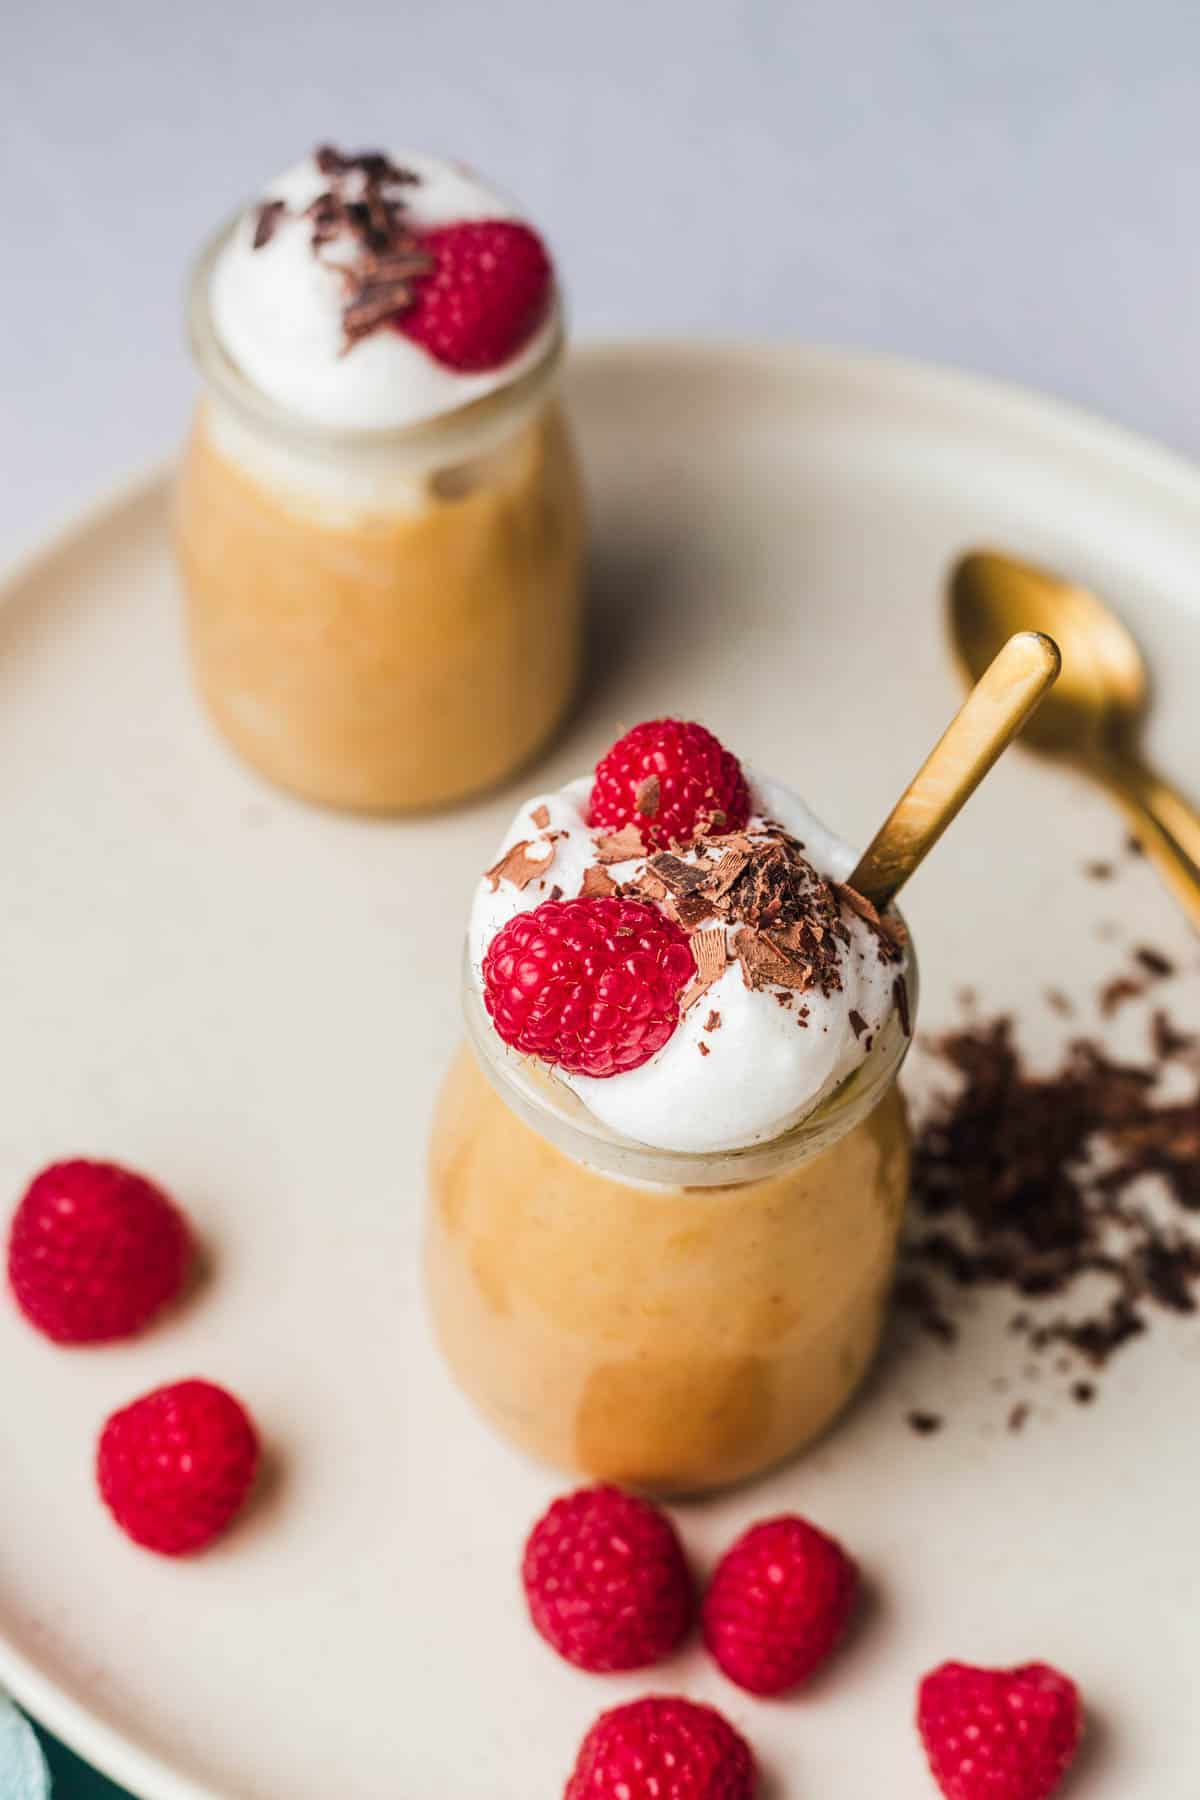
(1077, 1190)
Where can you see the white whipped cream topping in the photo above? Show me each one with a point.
(277, 311)
(764, 1071)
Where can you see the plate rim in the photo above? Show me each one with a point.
(110, 1750)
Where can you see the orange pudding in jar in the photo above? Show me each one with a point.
(669, 1168)
(379, 519)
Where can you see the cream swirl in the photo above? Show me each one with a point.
(751, 1056)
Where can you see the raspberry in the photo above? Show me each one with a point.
(606, 1581)
(777, 1604)
(175, 1466)
(998, 1734)
(674, 780)
(662, 1748)
(486, 295)
(95, 1251)
(591, 985)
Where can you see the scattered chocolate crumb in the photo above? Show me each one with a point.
(1099, 871)
(1059, 1002)
(647, 797)
(703, 1049)
(597, 884)
(265, 221)
(1134, 846)
(713, 1021)
(1154, 962)
(914, 1295)
(1166, 1042)
(1018, 1416)
(857, 1023)
(1083, 1393)
(1042, 1183)
(519, 866)
(541, 817)
(620, 846)
(1116, 992)
(556, 892)
(925, 1423)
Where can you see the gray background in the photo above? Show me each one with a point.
(1010, 187)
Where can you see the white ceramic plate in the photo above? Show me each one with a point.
(205, 979)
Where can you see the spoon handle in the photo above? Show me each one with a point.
(1006, 694)
(1167, 826)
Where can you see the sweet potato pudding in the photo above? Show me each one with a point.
(379, 519)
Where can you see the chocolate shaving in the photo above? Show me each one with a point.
(900, 995)
(727, 871)
(1154, 962)
(679, 876)
(649, 887)
(691, 910)
(364, 204)
(620, 846)
(892, 935)
(541, 817)
(518, 866)
(646, 799)
(710, 954)
(713, 1021)
(703, 1049)
(598, 884)
(265, 220)
(857, 1023)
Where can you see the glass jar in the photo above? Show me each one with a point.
(670, 1321)
(379, 620)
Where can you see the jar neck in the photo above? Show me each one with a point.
(549, 1107)
(400, 462)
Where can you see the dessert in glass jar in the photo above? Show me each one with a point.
(670, 1164)
(379, 519)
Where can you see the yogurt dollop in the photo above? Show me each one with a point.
(277, 306)
(751, 1057)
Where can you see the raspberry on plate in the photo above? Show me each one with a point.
(485, 296)
(999, 1734)
(175, 1467)
(95, 1251)
(674, 780)
(607, 1581)
(663, 1748)
(590, 985)
(778, 1602)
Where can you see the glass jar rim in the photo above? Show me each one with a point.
(438, 437)
(549, 1107)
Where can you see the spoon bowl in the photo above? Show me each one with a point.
(1090, 719)
(1102, 688)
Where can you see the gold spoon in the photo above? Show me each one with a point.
(1009, 690)
(1092, 721)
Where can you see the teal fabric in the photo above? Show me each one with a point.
(73, 1780)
